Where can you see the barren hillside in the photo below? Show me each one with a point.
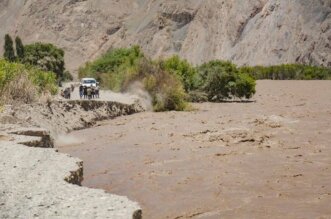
(247, 32)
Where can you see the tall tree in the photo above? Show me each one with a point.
(9, 53)
(46, 56)
(19, 48)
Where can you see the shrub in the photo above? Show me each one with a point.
(183, 69)
(23, 84)
(166, 89)
(19, 90)
(67, 76)
(222, 80)
(197, 96)
(288, 72)
(245, 86)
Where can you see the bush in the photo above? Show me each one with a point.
(166, 89)
(19, 90)
(23, 84)
(183, 69)
(67, 76)
(288, 72)
(222, 80)
(45, 56)
(197, 96)
(245, 86)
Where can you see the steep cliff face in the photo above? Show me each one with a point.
(250, 32)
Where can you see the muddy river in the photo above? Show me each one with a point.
(270, 158)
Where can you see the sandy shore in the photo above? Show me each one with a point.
(266, 159)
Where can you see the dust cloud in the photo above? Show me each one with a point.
(66, 140)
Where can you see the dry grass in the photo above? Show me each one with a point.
(18, 91)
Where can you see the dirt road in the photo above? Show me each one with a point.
(266, 159)
(135, 94)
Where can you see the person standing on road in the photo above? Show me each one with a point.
(89, 93)
(81, 91)
(93, 92)
(97, 95)
(85, 92)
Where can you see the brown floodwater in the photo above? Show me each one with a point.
(270, 158)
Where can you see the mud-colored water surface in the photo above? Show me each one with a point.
(265, 159)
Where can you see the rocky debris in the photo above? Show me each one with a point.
(76, 176)
(233, 137)
(258, 134)
(39, 182)
(253, 32)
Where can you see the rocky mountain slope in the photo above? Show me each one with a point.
(254, 32)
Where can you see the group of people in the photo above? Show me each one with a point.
(90, 92)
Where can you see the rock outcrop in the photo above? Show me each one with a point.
(253, 32)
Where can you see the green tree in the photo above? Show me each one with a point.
(19, 48)
(9, 53)
(222, 80)
(45, 56)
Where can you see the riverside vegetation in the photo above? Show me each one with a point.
(171, 82)
(288, 72)
(31, 71)
(20, 83)
(44, 56)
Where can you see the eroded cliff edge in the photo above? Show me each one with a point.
(38, 182)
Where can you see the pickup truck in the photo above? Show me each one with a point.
(89, 82)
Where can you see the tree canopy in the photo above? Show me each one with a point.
(9, 53)
(19, 48)
(46, 56)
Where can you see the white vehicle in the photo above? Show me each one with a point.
(89, 82)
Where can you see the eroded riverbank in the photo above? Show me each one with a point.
(267, 159)
(38, 182)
